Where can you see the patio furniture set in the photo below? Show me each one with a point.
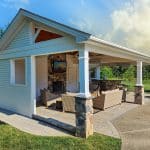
(105, 94)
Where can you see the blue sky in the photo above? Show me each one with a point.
(60, 10)
(113, 20)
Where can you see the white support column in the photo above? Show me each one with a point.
(139, 74)
(97, 73)
(84, 73)
(139, 89)
(33, 83)
(83, 102)
(31, 74)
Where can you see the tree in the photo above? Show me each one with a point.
(106, 72)
(129, 73)
(1, 32)
(146, 72)
(118, 70)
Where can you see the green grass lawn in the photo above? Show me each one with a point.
(14, 139)
(147, 85)
(131, 85)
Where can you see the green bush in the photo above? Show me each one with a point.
(129, 74)
(106, 72)
(146, 72)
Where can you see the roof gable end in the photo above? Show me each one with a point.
(23, 14)
(20, 38)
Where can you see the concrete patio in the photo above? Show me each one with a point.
(134, 127)
(127, 121)
(102, 119)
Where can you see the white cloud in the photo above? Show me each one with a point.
(89, 19)
(134, 22)
(127, 25)
(14, 3)
(87, 24)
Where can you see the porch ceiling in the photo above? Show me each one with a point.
(99, 46)
(104, 59)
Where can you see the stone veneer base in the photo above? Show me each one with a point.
(139, 95)
(84, 117)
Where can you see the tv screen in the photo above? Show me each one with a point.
(59, 66)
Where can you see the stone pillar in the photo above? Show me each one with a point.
(139, 95)
(84, 117)
(139, 89)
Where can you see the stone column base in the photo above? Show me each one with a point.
(139, 95)
(124, 95)
(84, 117)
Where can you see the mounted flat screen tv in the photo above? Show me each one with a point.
(59, 66)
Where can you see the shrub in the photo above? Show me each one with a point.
(106, 72)
(129, 73)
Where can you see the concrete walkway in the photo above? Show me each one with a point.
(134, 127)
(29, 125)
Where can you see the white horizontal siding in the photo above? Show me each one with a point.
(4, 73)
(16, 98)
(22, 38)
(60, 45)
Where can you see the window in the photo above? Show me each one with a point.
(18, 71)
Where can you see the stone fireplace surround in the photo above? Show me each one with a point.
(65, 81)
(56, 81)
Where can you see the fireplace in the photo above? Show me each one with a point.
(58, 87)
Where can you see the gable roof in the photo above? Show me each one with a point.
(22, 14)
(79, 35)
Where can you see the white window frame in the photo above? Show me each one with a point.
(12, 72)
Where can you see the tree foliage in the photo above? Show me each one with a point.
(129, 74)
(1, 32)
(123, 72)
(106, 72)
(146, 72)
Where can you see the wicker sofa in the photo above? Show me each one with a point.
(105, 100)
(108, 99)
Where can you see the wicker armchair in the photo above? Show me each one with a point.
(68, 100)
(48, 98)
